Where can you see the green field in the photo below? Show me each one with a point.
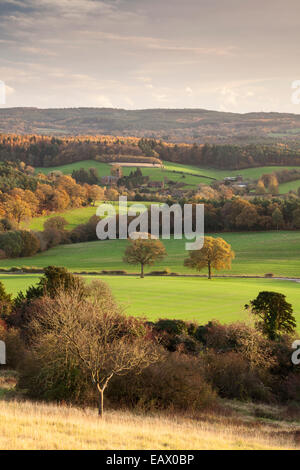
(257, 253)
(102, 168)
(170, 171)
(74, 217)
(290, 186)
(252, 173)
(188, 174)
(182, 298)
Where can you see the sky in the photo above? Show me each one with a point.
(226, 55)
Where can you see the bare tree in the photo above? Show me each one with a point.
(97, 333)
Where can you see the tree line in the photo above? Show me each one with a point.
(44, 151)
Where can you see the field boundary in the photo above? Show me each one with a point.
(21, 272)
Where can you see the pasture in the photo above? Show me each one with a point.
(170, 172)
(184, 298)
(74, 217)
(257, 253)
(289, 186)
(189, 175)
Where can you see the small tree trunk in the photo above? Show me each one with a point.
(101, 399)
(142, 270)
(209, 271)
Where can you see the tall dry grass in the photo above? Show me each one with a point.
(28, 425)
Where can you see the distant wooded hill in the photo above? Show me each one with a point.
(172, 125)
(47, 151)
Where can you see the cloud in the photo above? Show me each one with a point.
(103, 101)
(226, 55)
(38, 51)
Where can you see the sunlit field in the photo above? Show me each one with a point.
(27, 425)
(169, 171)
(73, 217)
(188, 174)
(257, 253)
(185, 298)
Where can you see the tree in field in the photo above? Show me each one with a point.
(144, 252)
(216, 253)
(92, 333)
(275, 314)
(57, 223)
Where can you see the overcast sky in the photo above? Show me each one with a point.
(231, 55)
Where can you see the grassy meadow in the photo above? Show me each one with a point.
(185, 298)
(28, 425)
(290, 186)
(156, 174)
(190, 175)
(257, 253)
(188, 297)
(74, 217)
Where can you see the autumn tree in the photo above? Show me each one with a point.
(216, 253)
(17, 209)
(95, 193)
(144, 251)
(111, 194)
(273, 185)
(95, 333)
(274, 313)
(260, 187)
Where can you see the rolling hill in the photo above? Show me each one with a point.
(190, 175)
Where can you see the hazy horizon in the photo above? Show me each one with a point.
(143, 109)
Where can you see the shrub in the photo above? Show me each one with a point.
(119, 272)
(30, 243)
(230, 374)
(19, 243)
(57, 223)
(174, 327)
(11, 243)
(15, 349)
(7, 224)
(41, 380)
(165, 272)
(85, 232)
(177, 383)
(291, 387)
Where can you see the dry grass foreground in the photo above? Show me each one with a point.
(29, 425)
